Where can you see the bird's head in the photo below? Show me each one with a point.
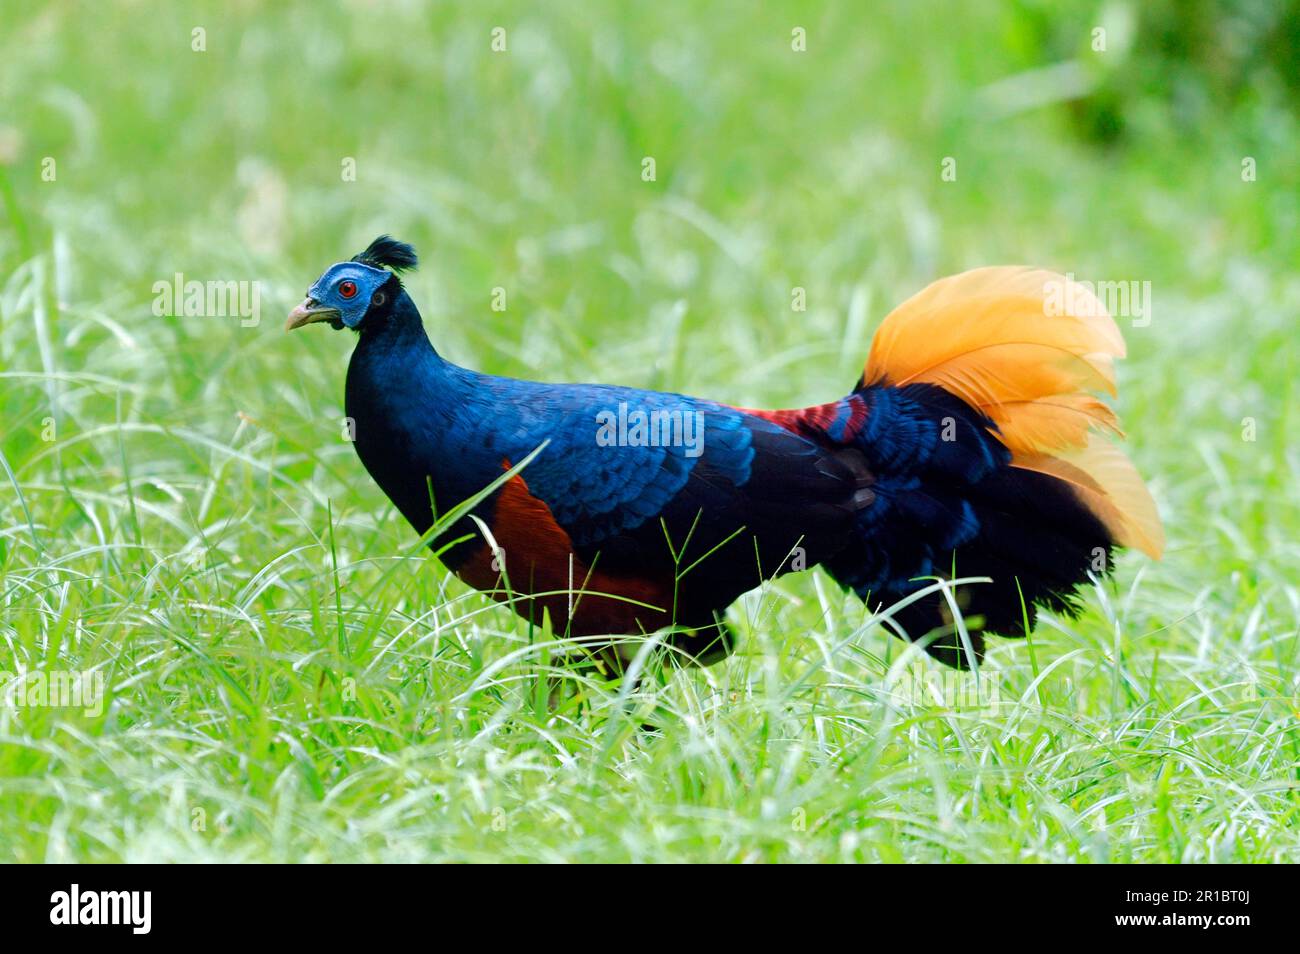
(349, 291)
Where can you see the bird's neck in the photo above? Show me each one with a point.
(396, 372)
(393, 353)
(406, 405)
(400, 332)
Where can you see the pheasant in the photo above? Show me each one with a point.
(973, 445)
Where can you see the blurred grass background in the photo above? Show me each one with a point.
(177, 482)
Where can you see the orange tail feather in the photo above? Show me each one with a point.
(1028, 348)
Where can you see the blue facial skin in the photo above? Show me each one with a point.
(351, 310)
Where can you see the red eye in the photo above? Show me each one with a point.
(348, 289)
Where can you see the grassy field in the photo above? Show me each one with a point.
(287, 678)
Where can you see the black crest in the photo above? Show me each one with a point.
(387, 252)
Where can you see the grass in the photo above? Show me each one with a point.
(290, 678)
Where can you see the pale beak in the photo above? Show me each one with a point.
(308, 312)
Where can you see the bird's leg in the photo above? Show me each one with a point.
(608, 661)
(704, 645)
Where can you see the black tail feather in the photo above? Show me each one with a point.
(1037, 543)
(951, 505)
